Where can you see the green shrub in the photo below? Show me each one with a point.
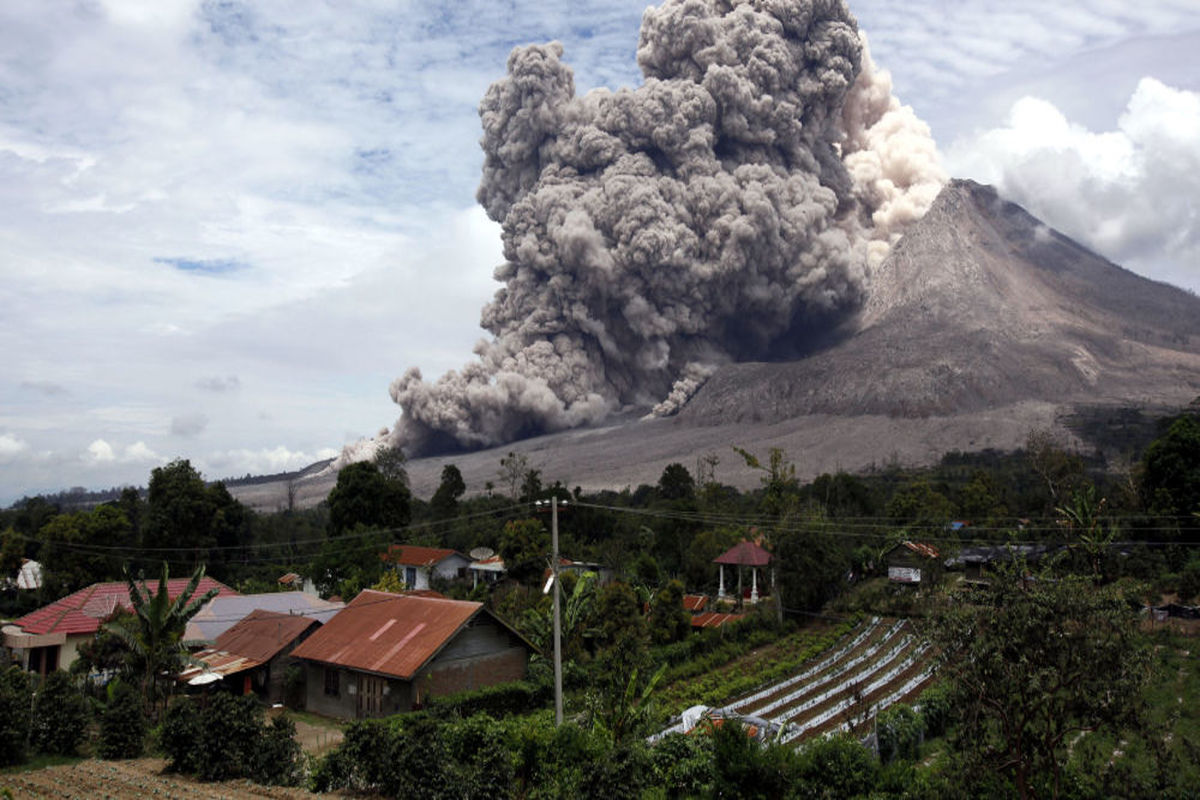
(936, 704)
(15, 693)
(227, 739)
(900, 731)
(122, 723)
(837, 767)
(682, 765)
(60, 716)
(518, 697)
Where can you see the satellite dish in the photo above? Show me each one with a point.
(480, 553)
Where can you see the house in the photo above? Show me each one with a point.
(909, 562)
(976, 561)
(222, 613)
(420, 565)
(385, 653)
(293, 581)
(49, 638)
(252, 655)
(486, 570)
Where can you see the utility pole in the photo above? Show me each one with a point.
(558, 691)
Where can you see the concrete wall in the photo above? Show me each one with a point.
(344, 705)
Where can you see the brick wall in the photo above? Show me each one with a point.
(448, 676)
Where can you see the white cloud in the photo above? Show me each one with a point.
(139, 453)
(101, 452)
(262, 462)
(11, 447)
(1127, 193)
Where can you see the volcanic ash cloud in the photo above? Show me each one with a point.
(724, 210)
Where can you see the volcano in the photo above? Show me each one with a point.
(982, 324)
(981, 306)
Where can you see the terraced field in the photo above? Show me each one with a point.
(882, 662)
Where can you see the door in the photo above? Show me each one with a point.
(370, 695)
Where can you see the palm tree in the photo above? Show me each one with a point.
(153, 634)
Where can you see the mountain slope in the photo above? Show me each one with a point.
(979, 306)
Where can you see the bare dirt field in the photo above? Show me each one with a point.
(139, 778)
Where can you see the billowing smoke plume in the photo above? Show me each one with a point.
(727, 208)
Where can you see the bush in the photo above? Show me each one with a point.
(15, 692)
(60, 716)
(227, 739)
(518, 697)
(900, 731)
(837, 767)
(122, 723)
(935, 708)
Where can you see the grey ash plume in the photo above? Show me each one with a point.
(727, 208)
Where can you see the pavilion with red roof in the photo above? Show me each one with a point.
(49, 638)
(743, 554)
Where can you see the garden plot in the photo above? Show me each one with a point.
(883, 663)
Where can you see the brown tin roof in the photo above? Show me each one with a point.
(262, 634)
(389, 634)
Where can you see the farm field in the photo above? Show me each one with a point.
(877, 664)
(117, 780)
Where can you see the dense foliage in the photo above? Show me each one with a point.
(228, 738)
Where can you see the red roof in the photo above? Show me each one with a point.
(410, 555)
(390, 634)
(85, 610)
(694, 602)
(747, 554)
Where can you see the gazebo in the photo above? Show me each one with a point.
(743, 554)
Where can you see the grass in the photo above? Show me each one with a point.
(316, 720)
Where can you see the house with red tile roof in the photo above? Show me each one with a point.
(49, 638)
(386, 653)
(420, 565)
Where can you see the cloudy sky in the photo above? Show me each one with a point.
(225, 227)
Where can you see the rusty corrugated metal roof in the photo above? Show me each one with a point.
(747, 554)
(920, 548)
(262, 634)
(694, 602)
(391, 634)
(218, 662)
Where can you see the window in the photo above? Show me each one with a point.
(410, 577)
(332, 682)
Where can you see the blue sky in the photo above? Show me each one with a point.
(225, 227)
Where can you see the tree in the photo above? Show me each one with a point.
(919, 505)
(390, 462)
(445, 499)
(15, 693)
(513, 469)
(1059, 470)
(676, 483)
(524, 546)
(60, 716)
(67, 563)
(364, 497)
(122, 723)
(1033, 663)
(779, 480)
(154, 640)
(178, 511)
(668, 621)
(1171, 477)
